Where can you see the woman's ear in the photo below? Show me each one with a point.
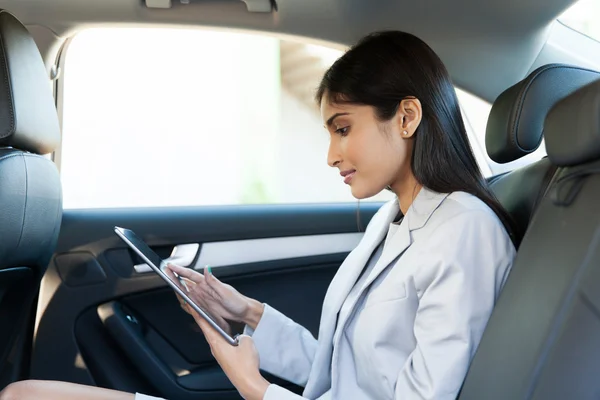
(409, 116)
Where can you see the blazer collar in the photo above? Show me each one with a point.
(423, 206)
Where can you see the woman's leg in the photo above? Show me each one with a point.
(54, 390)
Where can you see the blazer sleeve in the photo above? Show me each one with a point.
(275, 392)
(285, 348)
(459, 278)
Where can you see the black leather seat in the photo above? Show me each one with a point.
(30, 190)
(543, 338)
(515, 129)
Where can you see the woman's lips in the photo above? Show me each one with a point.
(348, 177)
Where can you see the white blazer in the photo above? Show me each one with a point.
(420, 314)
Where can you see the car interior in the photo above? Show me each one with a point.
(77, 305)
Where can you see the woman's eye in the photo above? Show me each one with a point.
(342, 131)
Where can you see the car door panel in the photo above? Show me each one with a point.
(100, 321)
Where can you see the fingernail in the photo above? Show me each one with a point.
(209, 269)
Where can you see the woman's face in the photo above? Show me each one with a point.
(369, 154)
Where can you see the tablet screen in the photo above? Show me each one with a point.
(159, 266)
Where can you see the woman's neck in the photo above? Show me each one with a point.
(406, 190)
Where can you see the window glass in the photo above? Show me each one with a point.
(584, 17)
(177, 117)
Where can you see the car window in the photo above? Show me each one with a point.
(584, 17)
(179, 117)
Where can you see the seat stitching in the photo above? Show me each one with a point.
(9, 156)
(25, 206)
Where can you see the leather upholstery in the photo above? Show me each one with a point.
(573, 128)
(516, 121)
(28, 118)
(515, 128)
(543, 338)
(519, 191)
(30, 190)
(30, 209)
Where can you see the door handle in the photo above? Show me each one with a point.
(182, 255)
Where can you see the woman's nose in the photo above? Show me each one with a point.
(333, 155)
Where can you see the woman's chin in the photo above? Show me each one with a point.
(361, 193)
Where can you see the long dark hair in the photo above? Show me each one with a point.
(386, 67)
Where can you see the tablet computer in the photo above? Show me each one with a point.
(178, 284)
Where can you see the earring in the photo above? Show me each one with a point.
(405, 133)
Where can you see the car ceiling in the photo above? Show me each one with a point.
(486, 45)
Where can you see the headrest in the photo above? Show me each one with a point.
(516, 121)
(28, 118)
(31, 204)
(572, 128)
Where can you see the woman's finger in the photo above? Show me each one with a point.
(209, 332)
(179, 298)
(242, 339)
(218, 287)
(187, 273)
(209, 277)
(182, 303)
(204, 290)
(188, 281)
(222, 322)
(170, 274)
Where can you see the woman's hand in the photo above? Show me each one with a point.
(220, 300)
(240, 363)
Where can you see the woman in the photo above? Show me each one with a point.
(404, 314)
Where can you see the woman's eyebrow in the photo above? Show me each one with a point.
(333, 117)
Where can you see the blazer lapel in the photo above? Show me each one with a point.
(353, 265)
(342, 283)
(417, 216)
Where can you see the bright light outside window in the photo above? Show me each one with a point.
(178, 117)
(173, 117)
(584, 17)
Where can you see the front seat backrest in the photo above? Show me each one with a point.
(543, 338)
(515, 127)
(30, 190)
